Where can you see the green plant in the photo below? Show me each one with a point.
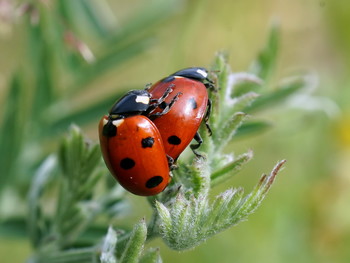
(56, 69)
(73, 201)
(183, 215)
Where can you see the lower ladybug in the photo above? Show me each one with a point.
(131, 144)
(181, 124)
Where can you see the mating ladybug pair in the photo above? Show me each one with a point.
(147, 130)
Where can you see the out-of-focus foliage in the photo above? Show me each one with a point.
(305, 218)
(57, 66)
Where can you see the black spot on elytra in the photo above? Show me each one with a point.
(174, 140)
(193, 103)
(154, 181)
(168, 79)
(147, 142)
(109, 130)
(127, 163)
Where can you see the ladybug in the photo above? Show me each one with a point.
(181, 124)
(131, 144)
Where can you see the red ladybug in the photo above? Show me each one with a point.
(180, 125)
(132, 146)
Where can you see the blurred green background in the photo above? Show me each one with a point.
(306, 217)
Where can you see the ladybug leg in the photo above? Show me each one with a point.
(194, 147)
(167, 107)
(171, 162)
(206, 118)
(157, 102)
(209, 84)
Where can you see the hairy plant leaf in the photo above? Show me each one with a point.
(134, 247)
(276, 96)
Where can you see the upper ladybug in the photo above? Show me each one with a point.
(180, 125)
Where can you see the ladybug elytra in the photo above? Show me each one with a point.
(181, 124)
(132, 146)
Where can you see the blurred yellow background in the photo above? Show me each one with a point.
(306, 216)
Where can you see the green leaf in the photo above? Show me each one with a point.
(134, 247)
(71, 223)
(12, 129)
(180, 215)
(36, 221)
(223, 136)
(226, 101)
(230, 169)
(142, 24)
(99, 16)
(252, 127)
(187, 222)
(45, 45)
(219, 212)
(278, 95)
(253, 200)
(221, 72)
(165, 217)
(266, 61)
(86, 15)
(111, 59)
(176, 225)
(44, 85)
(248, 83)
(78, 160)
(71, 155)
(242, 102)
(200, 176)
(134, 37)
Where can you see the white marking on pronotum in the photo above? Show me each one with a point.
(202, 72)
(178, 77)
(142, 99)
(105, 121)
(117, 123)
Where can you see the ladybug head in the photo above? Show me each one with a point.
(132, 103)
(195, 73)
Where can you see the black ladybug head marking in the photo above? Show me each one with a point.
(168, 79)
(154, 181)
(147, 142)
(195, 73)
(174, 140)
(133, 102)
(193, 103)
(127, 163)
